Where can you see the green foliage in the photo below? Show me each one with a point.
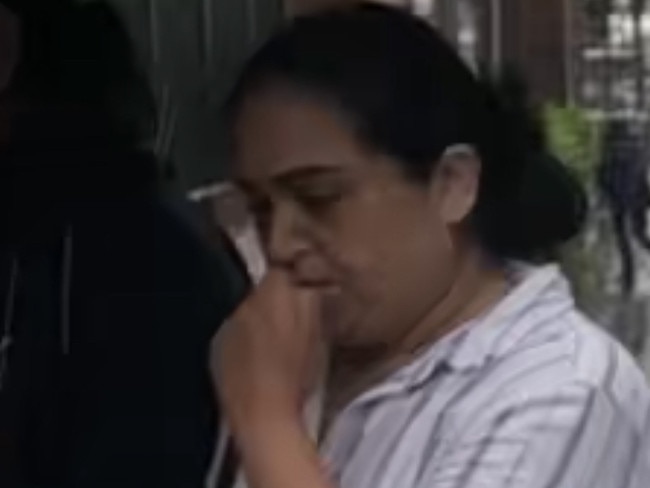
(576, 140)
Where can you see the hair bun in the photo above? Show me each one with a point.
(541, 204)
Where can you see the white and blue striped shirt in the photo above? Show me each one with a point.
(532, 395)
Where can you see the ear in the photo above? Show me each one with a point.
(455, 183)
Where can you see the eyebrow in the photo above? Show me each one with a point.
(295, 176)
(299, 175)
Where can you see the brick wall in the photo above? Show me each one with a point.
(534, 39)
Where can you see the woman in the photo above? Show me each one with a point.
(398, 204)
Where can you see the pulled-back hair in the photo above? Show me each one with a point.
(409, 94)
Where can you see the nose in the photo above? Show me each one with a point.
(285, 240)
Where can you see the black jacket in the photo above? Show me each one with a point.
(109, 301)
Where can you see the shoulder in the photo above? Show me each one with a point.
(147, 254)
(568, 412)
(568, 360)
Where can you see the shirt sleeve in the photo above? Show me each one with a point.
(566, 438)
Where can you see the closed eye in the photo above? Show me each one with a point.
(318, 198)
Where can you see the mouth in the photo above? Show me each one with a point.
(323, 285)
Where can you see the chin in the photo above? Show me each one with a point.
(346, 322)
(351, 333)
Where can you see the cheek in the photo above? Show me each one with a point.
(358, 280)
(389, 271)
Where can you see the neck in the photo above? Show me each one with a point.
(478, 285)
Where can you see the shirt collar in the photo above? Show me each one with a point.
(541, 293)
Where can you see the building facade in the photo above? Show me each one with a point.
(194, 48)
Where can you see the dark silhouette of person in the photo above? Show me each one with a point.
(623, 180)
(108, 300)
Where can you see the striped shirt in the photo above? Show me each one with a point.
(531, 395)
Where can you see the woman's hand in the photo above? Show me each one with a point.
(268, 357)
(265, 362)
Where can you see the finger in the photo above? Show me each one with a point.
(291, 304)
(276, 285)
(278, 290)
(307, 303)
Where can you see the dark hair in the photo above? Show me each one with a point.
(79, 57)
(410, 95)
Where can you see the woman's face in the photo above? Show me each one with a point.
(340, 217)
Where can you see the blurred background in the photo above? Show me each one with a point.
(585, 63)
